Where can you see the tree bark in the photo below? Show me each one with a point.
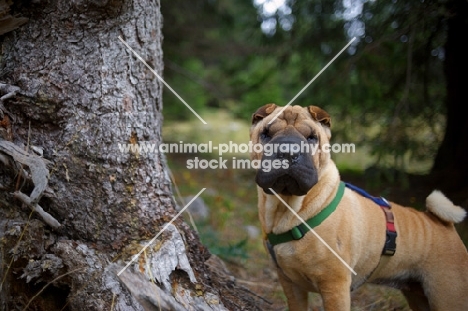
(451, 165)
(70, 93)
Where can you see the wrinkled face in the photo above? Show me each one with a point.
(288, 150)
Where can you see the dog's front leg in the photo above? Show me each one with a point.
(336, 295)
(297, 297)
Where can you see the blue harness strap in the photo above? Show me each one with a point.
(391, 234)
(377, 200)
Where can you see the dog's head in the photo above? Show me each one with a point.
(288, 147)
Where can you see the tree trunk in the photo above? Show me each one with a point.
(71, 92)
(451, 165)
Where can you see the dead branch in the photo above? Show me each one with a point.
(39, 176)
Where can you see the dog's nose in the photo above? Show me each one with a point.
(287, 149)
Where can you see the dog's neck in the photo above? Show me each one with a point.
(277, 218)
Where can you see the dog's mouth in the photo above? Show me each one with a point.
(293, 174)
(287, 184)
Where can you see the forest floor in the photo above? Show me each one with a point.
(231, 229)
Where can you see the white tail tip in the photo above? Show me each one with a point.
(443, 208)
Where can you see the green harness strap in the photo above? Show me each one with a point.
(299, 231)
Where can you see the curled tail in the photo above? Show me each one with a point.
(439, 205)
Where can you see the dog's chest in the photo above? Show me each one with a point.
(301, 267)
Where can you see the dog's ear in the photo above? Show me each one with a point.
(262, 112)
(320, 115)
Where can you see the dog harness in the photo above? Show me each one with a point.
(300, 231)
(391, 234)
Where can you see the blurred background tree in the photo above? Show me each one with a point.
(398, 91)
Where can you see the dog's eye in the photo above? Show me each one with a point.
(265, 135)
(312, 139)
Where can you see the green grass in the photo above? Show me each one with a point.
(221, 129)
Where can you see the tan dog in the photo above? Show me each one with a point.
(430, 264)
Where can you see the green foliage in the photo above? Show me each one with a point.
(189, 85)
(217, 56)
(226, 250)
(256, 85)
